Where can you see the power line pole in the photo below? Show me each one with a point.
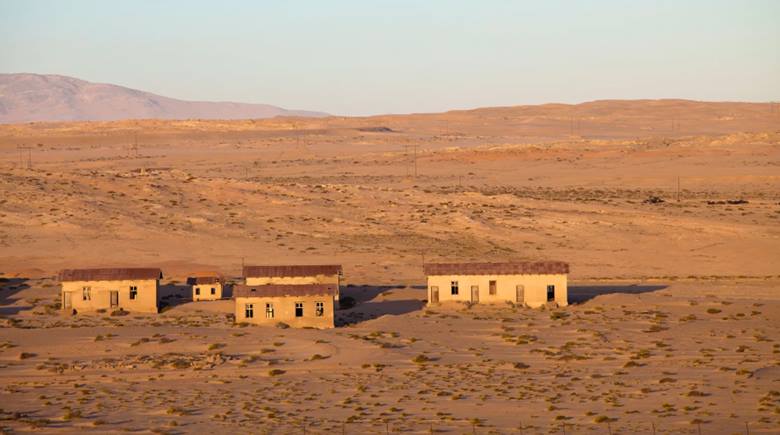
(21, 155)
(134, 147)
(415, 161)
(406, 159)
(678, 188)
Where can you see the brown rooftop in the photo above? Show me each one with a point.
(277, 290)
(514, 268)
(292, 270)
(110, 274)
(206, 279)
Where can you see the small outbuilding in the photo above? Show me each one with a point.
(531, 284)
(206, 286)
(133, 289)
(297, 305)
(330, 274)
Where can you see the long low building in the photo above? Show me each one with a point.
(295, 274)
(525, 283)
(297, 305)
(129, 288)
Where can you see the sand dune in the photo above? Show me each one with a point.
(675, 306)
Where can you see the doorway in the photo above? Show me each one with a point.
(434, 294)
(475, 294)
(66, 301)
(520, 296)
(114, 298)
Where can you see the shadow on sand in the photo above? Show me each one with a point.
(582, 293)
(367, 306)
(174, 294)
(8, 288)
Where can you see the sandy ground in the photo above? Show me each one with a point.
(674, 321)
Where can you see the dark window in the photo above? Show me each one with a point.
(86, 293)
(249, 311)
(133, 292)
(492, 287)
(299, 309)
(454, 287)
(269, 311)
(550, 292)
(320, 309)
(197, 290)
(213, 291)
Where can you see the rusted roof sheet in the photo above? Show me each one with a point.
(278, 290)
(291, 270)
(111, 274)
(212, 279)
(515, 268)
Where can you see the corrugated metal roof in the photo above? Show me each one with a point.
(278, 290)
(292, 270)
(110, 274)
(195, 280)
(514, 268)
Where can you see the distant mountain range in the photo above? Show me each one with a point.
(36, 97)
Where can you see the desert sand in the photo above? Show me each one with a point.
(667, 212)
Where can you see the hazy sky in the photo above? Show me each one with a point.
(367, 57)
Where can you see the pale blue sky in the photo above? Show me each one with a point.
(367, 57)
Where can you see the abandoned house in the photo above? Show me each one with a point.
(131, 289)
(206, 286)
(297, 305)
(295, 274)
(525, 283)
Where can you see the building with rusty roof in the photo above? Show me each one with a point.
(296, 305)
(206, 286)
(134, 289)
(295, 274)
(525, 283)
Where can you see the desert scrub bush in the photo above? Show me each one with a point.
(558, 315)
(604, 419)
(521, 366)
(215, 346)
(713, 310)
(317, 356)
(175, 410)
(27, 355)
(119, 312)
(421, 359)
(141, 341)
(276, 372)
(70, 414)
(282, 325)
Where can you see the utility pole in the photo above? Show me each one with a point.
(406, 160)
(678, 188)
(21, 149)
(415, 161)
(134, 147)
